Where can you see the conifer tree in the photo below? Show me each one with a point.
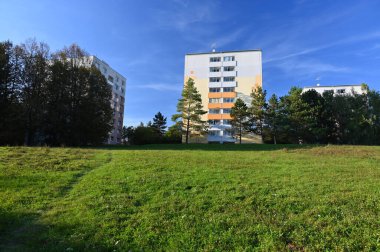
(190, 110)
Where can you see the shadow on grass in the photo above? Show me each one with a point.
(24, 232)
(209, 147)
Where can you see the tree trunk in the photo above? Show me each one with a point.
(240, 135)
(187, 130)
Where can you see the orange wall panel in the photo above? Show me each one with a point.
(214, 105)
(229, 94)
(214, 95)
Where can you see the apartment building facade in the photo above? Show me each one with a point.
(338, 89)
(221, 78)
(118, 83)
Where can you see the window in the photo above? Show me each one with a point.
(341, 91)
(214, 133)
(214, 69)
(110, 78)
(214, 100)
(226, 122)
(117, 78)
(228, 89)
(227, 132)
(214, 122)
(228, 100)
(117, 87)
(214, 111)
(229, 58)
(229, 78)
(122, 90)
(123, 83)
(214, 79)
(229, 68)
(104, 70)
(226, 111)
(214, 90)
(215, 59)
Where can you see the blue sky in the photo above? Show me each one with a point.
(304, 42)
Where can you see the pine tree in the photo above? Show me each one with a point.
(159, 123)
(257, 109)
(240, 118)
(190, 110)
(272, 115)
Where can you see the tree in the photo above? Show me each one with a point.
(190, 110)
(159, 123)
(257, 110)
(273, 117)
(11, 119)
(174, 133)
(240, 118)
(315, 131)
(35, 57)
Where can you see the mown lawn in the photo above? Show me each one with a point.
(190, 198)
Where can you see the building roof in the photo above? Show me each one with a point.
(335, 86)
(253, 50)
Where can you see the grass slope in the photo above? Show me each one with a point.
(196, 197)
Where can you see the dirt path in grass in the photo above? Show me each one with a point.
(19, 238)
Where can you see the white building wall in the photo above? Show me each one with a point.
(118, 84)
(338, 90)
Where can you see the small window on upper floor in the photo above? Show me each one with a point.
(214, 100)
(214, 122)
(227, 111)
(226, 122)
(214, 79)
(117, 87)
(341, 91)
(214, 90)
(214, 69)
(117, 78)
(228, 89)
(229, 78)
(228, 100)
(228, 68)
(214, 111)
(229, 58)
(110, 78)
(215, 59)
(123, 83)
(104, 70)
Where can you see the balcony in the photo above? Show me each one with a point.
(215, 74)
(229, 63)
(215, 64)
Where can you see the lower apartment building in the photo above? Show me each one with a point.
(117, 82)
(221, 78)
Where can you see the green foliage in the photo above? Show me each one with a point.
(159, 123)
(273, 117)
(240, 118)
(190, 198)
(190, 110)
(51, 99)
(257, 109)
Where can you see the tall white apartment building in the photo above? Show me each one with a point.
(221, 78)
(117, 82)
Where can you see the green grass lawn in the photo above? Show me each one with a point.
(196, 197)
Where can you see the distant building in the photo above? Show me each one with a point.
(221, 78)
(118, 83)
(338, 89)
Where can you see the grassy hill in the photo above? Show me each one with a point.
(196, 197)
